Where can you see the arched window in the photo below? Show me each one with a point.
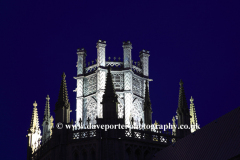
(84, 155)
(128, 154)
(146, 155)
(93, 155)
(75, 156)
(137, 112)
(137, 154)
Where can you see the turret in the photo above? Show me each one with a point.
(182, 112)
(101, 53)
(62, 107)
(147, 107)
(101, 74)
(128, 96)
(81, 63)
(34, 133)
(47, 122)
(127, 54)
(144, 58)
(193, 115)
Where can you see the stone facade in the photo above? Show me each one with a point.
(112, 92)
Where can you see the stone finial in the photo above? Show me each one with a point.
(181, 82)
(155, 123)
(191, 100)
(81, 51)
(127, 44)
(101, 43)
(35, 104)
(47, 98)
(146, 52)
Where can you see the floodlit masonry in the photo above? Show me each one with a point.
(129, 78)
(108, 93)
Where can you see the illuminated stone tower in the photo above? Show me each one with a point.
(129, 80)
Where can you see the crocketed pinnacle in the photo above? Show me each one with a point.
(182, 102)
(63, 95)
(147, 102)
(109, 94)
(34, 126)
(47, 110)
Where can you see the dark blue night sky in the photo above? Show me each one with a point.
(196, 41)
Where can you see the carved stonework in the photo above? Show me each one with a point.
(137, 86)
(118, 80)
(137, 112)
(90, 85)
(128, 80)
(90, 111)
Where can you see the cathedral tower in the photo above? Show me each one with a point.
(128, 77)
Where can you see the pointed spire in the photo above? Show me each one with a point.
(147, 102)
(47, 110)
(63, 95)
(193, 118)
(147, 107)
(47, 122)
(34, 126)
(182, 102)
(34, 132)
(109, 94)
(182, 112)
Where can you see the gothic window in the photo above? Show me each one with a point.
(137, 112)
(118, 81)
(90, 85)
(120, 111)
(137, 154)
(146, 155)
(93, 155)
(137, 86)
(120, 106)
(84, 155)
(90, 112)
(75, 156)
(128, 154)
